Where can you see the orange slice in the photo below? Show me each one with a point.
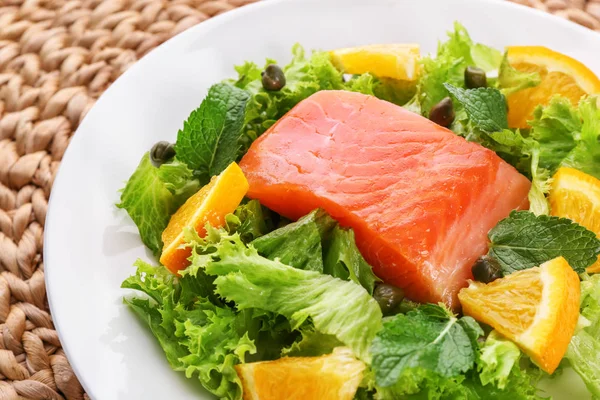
(537, 308)
(560, 74)
(335, 376)
(576, 195)
(395, 61)
(209, 205)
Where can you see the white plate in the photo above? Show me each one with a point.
(90, 245)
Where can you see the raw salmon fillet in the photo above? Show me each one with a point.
(420, 199)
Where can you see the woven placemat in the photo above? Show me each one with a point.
(56, 58)
(586, 13)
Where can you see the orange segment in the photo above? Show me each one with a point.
(576, 195)
(335, 376)
(209, 205)
(395, 61)
(537, 308)
(560, 74)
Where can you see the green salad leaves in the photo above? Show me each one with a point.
(317, 243)
(585, 345)
(262, 287)
(449, 64)
(339, 308)
(153, 194)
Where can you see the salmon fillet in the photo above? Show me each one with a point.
(420, 199)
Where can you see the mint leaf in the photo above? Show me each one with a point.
(429, 339)
(152, 194)
(523, 240)
(209, 141)
(486, 107)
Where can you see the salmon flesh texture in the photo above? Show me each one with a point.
(420, 199)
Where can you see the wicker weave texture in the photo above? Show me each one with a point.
(56, 58)
(586, 13)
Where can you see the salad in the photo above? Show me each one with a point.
(370, 223)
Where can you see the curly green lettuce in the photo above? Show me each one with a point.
(339, 308)
(200, 337)
(153, 194)
(448, 66)
(584, 348)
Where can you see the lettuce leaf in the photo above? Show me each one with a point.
(152, 194)
(498, 358)
(316, 243)
(585, 156)
(553, 127)
(312, 343)
(339, 308)
(200, 337)
(585, 345)
(568, 135)
(511, 80)
(299, 243)
(426, 385)
(343, 260)
(251, 221)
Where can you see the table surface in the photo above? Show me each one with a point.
(56, 58)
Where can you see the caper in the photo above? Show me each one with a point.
(475, 78)
(486, 270)
(162, 152)
(389, 297)
(407, 305)
(273, 78)
(443, 112)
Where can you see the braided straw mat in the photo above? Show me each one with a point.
(56, 58)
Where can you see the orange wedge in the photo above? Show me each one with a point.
(335, 376)
(209, 205)
(395, 61)
(576, 195)
(560, 74)
(537, 308)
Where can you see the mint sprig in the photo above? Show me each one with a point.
(524, 240)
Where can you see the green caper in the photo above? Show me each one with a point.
(443, 112)
(389, 297)
(486, 270)
(407, 305)
(475, 78)
(273, 78)
(162, 152)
